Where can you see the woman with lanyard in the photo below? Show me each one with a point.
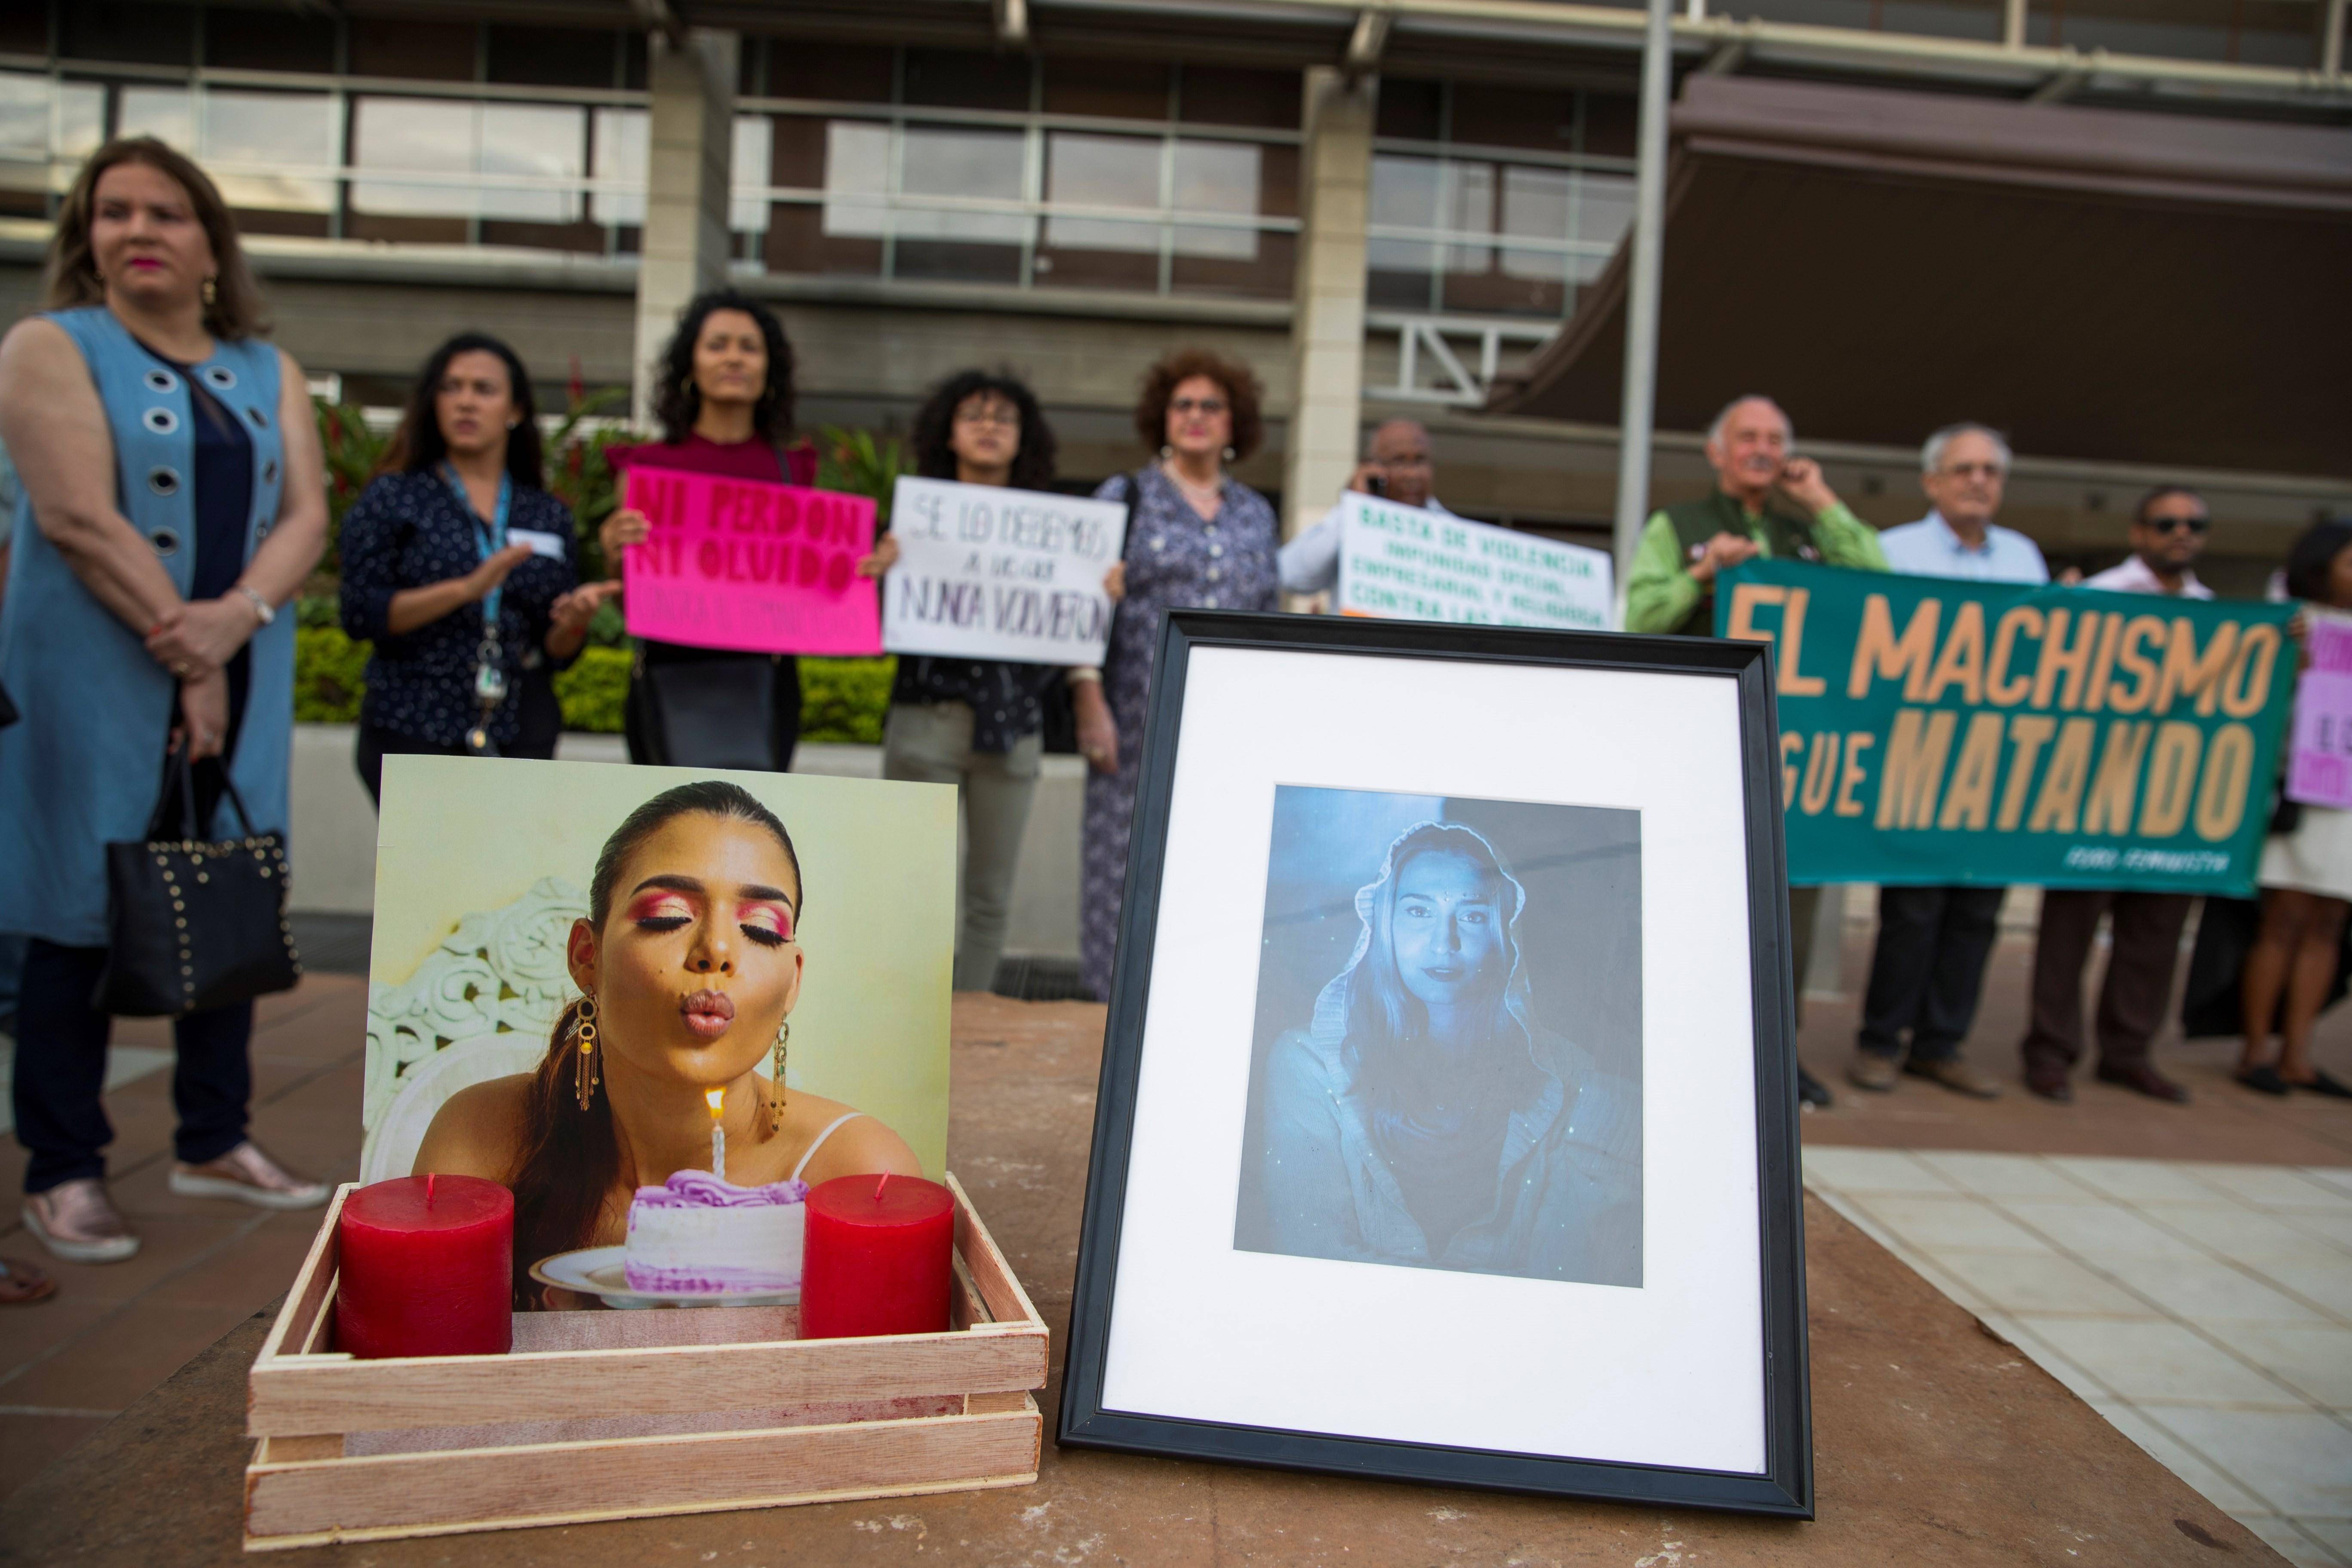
(458, 567)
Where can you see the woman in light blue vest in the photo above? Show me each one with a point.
(172, 504)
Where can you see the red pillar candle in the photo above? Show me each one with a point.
(425, 1267)
(878, 1258)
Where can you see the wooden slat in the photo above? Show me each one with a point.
(320, 1446)
(602, 1331)
(569, 1482)
(991, 1403)
(297, 1324)
(998, 1285)
(289, 1398)
(965, 1309)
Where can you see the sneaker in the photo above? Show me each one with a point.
(78, 1222)
(1955, 1075)
(1873, 1071)
(248, 1176)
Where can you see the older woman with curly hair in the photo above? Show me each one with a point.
(1197, 538)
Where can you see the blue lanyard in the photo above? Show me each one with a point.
(490, 539)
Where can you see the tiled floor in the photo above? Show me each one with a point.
(2204, 1308)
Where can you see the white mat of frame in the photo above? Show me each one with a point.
(123, 1064)
(2206, 1310)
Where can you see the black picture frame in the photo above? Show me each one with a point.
(1785, 1486)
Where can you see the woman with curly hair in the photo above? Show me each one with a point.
(725, 403)
(1197, 538)
(976, 723)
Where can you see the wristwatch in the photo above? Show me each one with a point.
(260, 606)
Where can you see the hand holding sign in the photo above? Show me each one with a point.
(985, 572)
(742, 564)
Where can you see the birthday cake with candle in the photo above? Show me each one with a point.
(696, 1235)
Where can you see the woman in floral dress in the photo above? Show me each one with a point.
(1196, 539)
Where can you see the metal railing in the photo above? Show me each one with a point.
(1435, 355)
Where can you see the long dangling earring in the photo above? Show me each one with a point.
(212, 293)
(776, 1106)
(584, 1069)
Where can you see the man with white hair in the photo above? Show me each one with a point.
(1396, 467)
(1764, 502)
(1927, 971)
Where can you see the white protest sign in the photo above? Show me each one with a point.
(1405, 563)
(988, 572)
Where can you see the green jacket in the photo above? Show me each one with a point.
(1661, 595)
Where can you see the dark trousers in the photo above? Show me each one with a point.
(2147, 945)
(61, 1069)
(375, 744)
(1928, 970)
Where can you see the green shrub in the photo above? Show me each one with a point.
(328, 669)
(843, 699)
(592, 689)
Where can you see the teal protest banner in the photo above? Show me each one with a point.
(1938, 731)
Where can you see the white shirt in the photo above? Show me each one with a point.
(2135, 576)
(1929, 548)
(1309, 563)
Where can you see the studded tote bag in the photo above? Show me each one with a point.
(195, 923)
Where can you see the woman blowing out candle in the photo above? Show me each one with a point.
(691, 964)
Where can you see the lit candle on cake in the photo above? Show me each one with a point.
(717, 1096)
(425, 1266)
(878, 1258)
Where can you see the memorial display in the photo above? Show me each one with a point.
(1452, 1038)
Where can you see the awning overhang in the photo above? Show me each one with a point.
(2100, 285)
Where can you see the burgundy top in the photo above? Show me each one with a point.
(753, 459)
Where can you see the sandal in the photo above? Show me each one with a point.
(2334, 1088)
(21, 1284)
(2263, 1079)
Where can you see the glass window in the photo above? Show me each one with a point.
(957, 162)
(747, 212)
(621, 156)
(1102, 171)
(142, 30)
(857, 179)
(1123, 90)
(426, 141)
(1535, 207)
(253, 143)
(166, 113)
(24, 116)
(1216, 177)
(420, 51)
(537, 153)
(82, 118)
(946, 79)
(269, 40)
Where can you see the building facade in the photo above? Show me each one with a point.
(1381, 210)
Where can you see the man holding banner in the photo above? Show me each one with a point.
(1397, 466)
(1765, 503)
(2168, 534)
(1928, 970)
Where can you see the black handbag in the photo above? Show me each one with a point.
(713, 713)
(193, 924)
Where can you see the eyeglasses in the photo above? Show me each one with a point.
(1211, 406)
(2175, 524)
(1973, 470)
(1008, 417)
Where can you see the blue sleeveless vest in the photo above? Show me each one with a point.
(82, 767)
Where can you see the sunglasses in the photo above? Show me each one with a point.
(1211, 406)
(2175, 524)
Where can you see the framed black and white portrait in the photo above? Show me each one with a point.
(1447, 1124)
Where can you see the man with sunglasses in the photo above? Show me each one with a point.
(2168, 534)
(1927, 970)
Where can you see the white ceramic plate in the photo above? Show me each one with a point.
(597, 1271)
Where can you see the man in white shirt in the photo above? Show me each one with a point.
(1927, 970)
(1396, 467)
(2168, 534)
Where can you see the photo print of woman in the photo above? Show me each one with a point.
(1447, 1062)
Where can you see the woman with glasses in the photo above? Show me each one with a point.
(976, 723)
(1196, 539)
(2306, 879)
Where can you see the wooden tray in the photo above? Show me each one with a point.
(635, 1413)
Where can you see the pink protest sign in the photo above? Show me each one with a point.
(2319, 768)
(737, 564)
